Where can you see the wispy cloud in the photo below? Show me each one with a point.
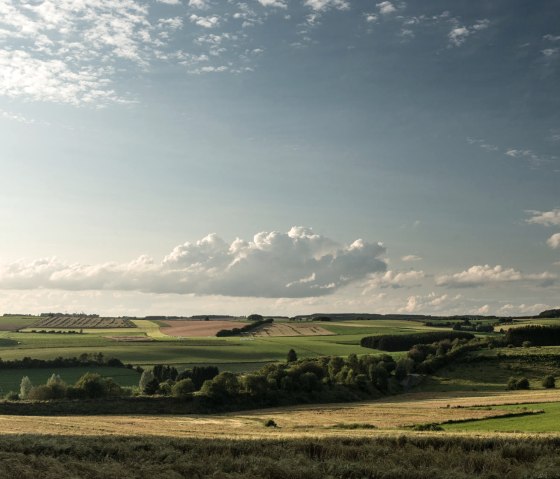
(298, 263)
(411, 257)
(533, 159)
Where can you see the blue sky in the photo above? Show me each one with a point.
(280, 156)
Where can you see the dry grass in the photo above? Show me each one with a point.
(292, 329)
(389, 416)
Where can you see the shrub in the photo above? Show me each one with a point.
(514, 384)
(12, 396)
(549, 382)
(270, 423)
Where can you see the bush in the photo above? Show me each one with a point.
(183, 388)
(549, 382)
(270, 423)
(515, 384)
(93, 385)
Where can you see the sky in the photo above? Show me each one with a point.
(286, 157)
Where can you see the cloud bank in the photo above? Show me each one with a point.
(295, 264)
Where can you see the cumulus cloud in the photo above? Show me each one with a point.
(554, 241)
(545, 218)
(298, 263)
(479, 275)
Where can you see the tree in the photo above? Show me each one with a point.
(146, 377)
(292, 356)
(25, 387)
(93, 385)
(255, 317)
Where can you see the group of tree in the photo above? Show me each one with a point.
(85, 359)
(403, 342)
(167, 381)
(88, 386)
(534, 335)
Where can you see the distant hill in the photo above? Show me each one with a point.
(550, 313)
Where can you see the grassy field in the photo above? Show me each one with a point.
(395, 457)
(547, 422)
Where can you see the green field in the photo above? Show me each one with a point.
(549, 421)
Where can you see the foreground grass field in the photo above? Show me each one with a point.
(396, 457)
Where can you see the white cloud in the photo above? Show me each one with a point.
(298, 263)
(68, 50)
(211, 21)
(411, 257)
(459, 33)
(431, 302)
(321, 5)
(545, 218)
(554, 241)
(394, 279)
(522, 309)
(273, 3)
(385, 8)
(479, 275)
(371, 17)
(552, 38)
(549, 52)
(170, 2)
(201, 4)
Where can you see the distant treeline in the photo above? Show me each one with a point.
(536, 335)
(245, 329)
(550, 313)
(84, 360)
(403, 342)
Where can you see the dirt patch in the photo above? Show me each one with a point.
(292, 329)
(197, 329)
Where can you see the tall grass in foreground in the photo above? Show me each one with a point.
(401, 457)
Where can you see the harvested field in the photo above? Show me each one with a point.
(292, 329)
(82, 322)
(384, 417)
(194, 328)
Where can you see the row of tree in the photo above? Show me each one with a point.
(403, 342)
